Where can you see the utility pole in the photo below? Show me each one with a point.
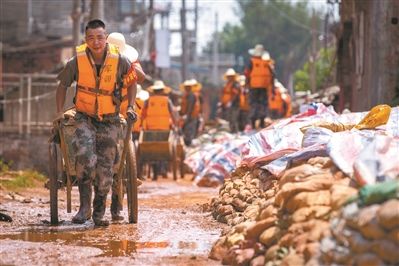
(195, 56)
(76, 19)
(215, 72)
(97, 9)
(312, 61)
(184, 61)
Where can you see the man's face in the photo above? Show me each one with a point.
(96, 40)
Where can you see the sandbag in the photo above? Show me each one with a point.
(388, 214)
(269, 236)
(386, 250)
(291, 189)
(306, 199)
(394, 235)
(254, 231)
(297, 173)
(369, 259)
(306, 213)
(358, 243)
(340, 194)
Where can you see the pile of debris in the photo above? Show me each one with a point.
(367, 230)
(286, 218)
(285, 204)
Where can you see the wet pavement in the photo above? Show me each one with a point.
(173, 229)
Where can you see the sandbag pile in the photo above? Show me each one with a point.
(292, 218)
(308, 167)
(241, 196)
(366, 231)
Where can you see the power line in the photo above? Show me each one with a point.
(289, 18)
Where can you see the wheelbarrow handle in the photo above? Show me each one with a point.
(128, 137)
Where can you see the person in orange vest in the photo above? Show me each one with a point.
(98, 69)
(190, 111)
(280, 102)
(230, 99)
(259, 76)
(197, 92)
(158, 114)
(243, 116)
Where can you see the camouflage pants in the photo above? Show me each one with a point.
(258, 104)
(96, 148)
(243, 120)
(190, 130)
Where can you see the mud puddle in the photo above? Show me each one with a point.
(172, 230)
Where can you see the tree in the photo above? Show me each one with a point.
(325, 64)
(282, 27)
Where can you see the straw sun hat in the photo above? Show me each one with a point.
(159, 85)
(193, 83)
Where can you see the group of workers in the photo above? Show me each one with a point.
(107, 75)
(248, 99)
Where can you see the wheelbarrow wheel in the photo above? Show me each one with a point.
(53, 183)
(174, 163)
(181, 162)
(131, 170)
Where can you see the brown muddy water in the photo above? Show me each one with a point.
(172, 229)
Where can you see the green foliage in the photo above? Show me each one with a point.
(282, 27)
(22, 179)
(325, 63)
(4, 167)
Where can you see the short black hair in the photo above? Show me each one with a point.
(94, 24)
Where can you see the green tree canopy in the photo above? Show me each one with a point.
(284, 29)
(325, 64)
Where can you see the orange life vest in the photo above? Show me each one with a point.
(197, 106)
(94, 94)
(275, 102)
(157, 113)
(260, 76)
(228, 93)
(244, 100)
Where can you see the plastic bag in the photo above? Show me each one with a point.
(378, 193)
(377, 116)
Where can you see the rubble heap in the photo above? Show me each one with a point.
(287, 222)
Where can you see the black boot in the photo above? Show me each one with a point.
(99, 209)
(262, 123)
(84, 212)
(116, 207)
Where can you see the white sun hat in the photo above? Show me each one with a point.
(143, 95)
(258, 50)
(230, 72)
(118, 40)
(138, 89)
(266, 56)
(190, 82)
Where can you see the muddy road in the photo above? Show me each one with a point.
(173, 229)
